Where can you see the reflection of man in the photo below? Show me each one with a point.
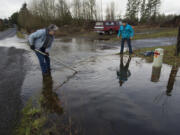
(50, 101)
(124, 73)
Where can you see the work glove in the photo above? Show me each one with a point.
(32, 47)
(47, 54)
(42, 49)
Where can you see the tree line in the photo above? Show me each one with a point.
(4, 24)
(143, 11)
(40, 13)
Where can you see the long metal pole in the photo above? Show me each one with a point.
(56, 60)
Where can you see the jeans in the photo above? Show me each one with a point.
(44, 62)
(128, 42)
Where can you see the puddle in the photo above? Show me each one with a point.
(109, 95)
(113, 95)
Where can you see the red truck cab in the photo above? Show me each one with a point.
(107, 27)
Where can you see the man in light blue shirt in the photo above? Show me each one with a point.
(127, 33)
(42, 40)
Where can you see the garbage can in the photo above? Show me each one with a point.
(158, 57)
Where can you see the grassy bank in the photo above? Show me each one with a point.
(156, 33)
(32, 121)
(35, 120)
(169, 52)
(140, 33)
(20, 34)
(152, 33)
(144, 32)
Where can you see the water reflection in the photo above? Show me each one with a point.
(123, 73)
(50, 101)
(172, 79)
(156, 73)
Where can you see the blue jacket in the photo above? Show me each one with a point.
(38, 38)
(126, 31)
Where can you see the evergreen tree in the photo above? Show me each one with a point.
(63, 12)
(14, 18)
(132, 11)
(143, 11)
(23, 18)
(155, 9)
(152, 10)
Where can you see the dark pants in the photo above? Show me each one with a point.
(128, 42)
(44, 62)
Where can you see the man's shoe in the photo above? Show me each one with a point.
(49, 71)
(46, 74)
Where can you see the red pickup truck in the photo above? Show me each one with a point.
(107, 27)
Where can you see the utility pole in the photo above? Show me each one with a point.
(178, 44)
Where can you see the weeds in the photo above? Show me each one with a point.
(169, 54)
(32, 121)
(20, 34)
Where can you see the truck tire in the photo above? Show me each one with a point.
(107, 32)
(110, 32)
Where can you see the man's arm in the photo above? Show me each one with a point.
(34, 36)
(119, 32)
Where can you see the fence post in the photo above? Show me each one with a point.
(178, 43)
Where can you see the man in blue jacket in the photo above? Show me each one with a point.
(127, 33)
(42, 40)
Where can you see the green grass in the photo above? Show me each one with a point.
(35, 119)
(154, 33)
(169, 57)
(32, 121)
(160, 33)
(20, 34)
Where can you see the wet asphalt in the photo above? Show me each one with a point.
(12, 76)
(7, 33)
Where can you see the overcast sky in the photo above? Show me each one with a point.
(168, 6)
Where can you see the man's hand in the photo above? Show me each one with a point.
(117, 37)
(47, 54)
(32, 47)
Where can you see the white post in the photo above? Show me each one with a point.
(158, 57)
(156, 73)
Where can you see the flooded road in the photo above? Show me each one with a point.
(109, 95)
(104, 99)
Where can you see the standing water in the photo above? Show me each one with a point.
(110, 95)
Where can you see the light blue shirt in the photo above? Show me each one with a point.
(38, 38)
